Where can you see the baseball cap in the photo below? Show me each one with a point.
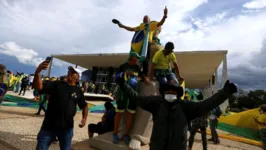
(76, 70)
(134, 54)
(169, 46)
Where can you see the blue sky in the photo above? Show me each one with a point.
(33, 29)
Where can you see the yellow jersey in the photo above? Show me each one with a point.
(161, 61)
(136, 45)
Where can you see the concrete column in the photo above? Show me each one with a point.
(215, 81)
(205, 92)
(49, 68)
(224, 72)
(224, 105)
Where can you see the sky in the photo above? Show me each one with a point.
(30, 30)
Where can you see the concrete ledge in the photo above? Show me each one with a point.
(83, 145)
(104, 142)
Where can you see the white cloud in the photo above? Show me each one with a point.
(25, 56)
(238, 34)
(255, 4)
(84, 26)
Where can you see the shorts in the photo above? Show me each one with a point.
(124, 103)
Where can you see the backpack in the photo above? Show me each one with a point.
(218, 112)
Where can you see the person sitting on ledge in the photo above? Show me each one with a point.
(107, 123)
(161, 65)
(131, 71)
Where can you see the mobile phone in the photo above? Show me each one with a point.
(48, 59)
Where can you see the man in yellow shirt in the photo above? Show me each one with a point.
(261, 122)
(152, 27)
(161, 65)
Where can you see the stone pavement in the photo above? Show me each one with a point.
(19, 128)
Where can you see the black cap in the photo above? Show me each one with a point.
(169, 46)
(167, 87)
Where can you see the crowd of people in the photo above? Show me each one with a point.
(171, 116)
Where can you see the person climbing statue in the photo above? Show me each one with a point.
(170, 114)
(154, 25)
(161, 65)
(131, 72)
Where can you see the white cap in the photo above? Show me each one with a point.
(76, 70)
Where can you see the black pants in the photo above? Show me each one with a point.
(42, 106)
(23, 88)
(193, 132)
(97, 128)
(213, 127)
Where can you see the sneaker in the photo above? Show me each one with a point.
(126, 139)
(115, 139)
(211, 139)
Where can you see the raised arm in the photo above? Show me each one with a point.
(198, 109)
(37, 81)
(132, 29)
(164, 17)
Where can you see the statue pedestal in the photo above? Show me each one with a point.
(104, 142)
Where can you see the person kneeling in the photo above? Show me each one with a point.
(130, 72)
(107, 123)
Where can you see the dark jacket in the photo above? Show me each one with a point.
(170, 119)
(201, 121)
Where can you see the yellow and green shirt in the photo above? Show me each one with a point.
(161, 61)
(153, 27)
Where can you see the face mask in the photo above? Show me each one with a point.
(170, 97)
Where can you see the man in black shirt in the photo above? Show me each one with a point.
(63, 99)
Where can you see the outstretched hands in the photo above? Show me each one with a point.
(165, 11)
(230, 88)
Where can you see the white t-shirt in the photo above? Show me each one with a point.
(31, 78)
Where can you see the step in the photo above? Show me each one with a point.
(104, 142)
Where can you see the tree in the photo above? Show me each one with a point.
(249, 101)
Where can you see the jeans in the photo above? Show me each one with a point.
(213, 126)
(263, 137)
(45, 138)
(166, 78)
